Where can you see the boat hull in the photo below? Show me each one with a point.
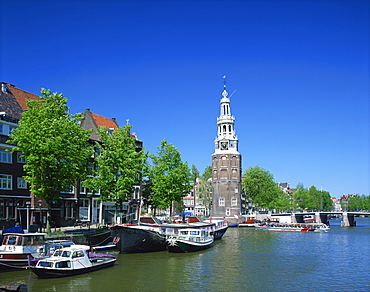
(137, 240)
(182, 246)
(217, 234)
(10, 262)
(56, 273)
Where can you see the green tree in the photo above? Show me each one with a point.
(207, 174)
(169, 177)
(55, 146)
(194, 172)
(259, 185)
(301, 197)
(205, 188)
(311, 198)
(119, 166)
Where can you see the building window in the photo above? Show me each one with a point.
(5, 156)
(5, 182)
(21, 183)
(21, 158)
(227, 212)
(234, 202)
(221, 202)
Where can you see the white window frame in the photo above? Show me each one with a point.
(21, 158)
(6, 182)
(234, 202)
(21, 183)
(5, 156)
(227, 211)
(221, 201)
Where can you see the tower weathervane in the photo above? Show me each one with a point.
(224, 77)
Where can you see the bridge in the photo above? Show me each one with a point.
(348, 217)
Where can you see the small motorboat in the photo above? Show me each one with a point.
(18, 249)
(189, 240)
(73, 260)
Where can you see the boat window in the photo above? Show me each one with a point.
(40, 239)
(66, 254)
(19, 240)
(77, 254)
(11, 240)
(63, 265)
(45, 264)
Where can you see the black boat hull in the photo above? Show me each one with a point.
(136, 240)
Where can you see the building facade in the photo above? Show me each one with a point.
(17, 203)
(226, 166)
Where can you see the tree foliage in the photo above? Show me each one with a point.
(311, 198)
(119, 166)
(194, 173)
(169, 177)
(258, 184)
(55, 146)
(357, 202)
(205, 188)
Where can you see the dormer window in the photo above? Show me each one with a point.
(4, 88)
(110, 131)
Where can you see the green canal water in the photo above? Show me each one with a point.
(244, 260)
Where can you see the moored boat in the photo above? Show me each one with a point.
(299, 227)
(219, 229)
(190, 240)
(18, 249)
(309, 219)
(73, 260)
(150, 234)
(249, 222)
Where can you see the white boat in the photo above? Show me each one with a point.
(299, 227)
(19, 249)
(190, 240)
(309, 219)
(73, 260)
(249, 222)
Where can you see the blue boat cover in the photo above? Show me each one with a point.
(14, 229)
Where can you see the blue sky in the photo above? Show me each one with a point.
(300, 70)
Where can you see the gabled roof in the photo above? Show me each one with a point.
(104, 121)
(13, 100)
(22, 96)
(94, 121)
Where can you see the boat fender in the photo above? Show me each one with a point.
(116, 240)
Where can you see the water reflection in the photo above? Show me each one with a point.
(244, 260)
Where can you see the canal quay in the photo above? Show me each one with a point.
(245, 259)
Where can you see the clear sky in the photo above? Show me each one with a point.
(300, 69)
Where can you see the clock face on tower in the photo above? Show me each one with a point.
(224, 146)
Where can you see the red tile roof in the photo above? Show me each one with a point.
(22, 96)
(104, 122)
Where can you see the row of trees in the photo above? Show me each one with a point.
(357, 202)
(258, 184)
(58, 154)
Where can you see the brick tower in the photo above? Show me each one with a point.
(226, 166)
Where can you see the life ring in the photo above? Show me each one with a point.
(40, 250)
(116, 240)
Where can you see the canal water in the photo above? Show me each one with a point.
(244, 260)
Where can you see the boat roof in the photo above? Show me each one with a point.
(76, 247)
(26, 234)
